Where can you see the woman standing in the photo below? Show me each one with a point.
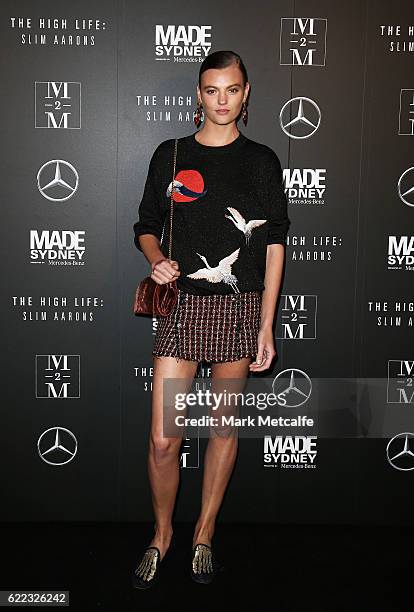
(229, 232)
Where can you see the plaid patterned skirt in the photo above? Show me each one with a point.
(213, 328)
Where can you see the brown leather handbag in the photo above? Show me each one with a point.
(151, 298)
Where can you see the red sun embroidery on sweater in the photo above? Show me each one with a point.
(188, 186)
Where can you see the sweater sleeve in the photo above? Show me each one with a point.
(279, 221)
(150, 217)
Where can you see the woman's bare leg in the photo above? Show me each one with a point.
(163, 452)
(219, 458)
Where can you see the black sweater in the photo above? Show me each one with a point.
(229, 204)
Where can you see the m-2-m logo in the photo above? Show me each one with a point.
(400, 381)
(190, 453)
(297, 317)
(57, 376)
(303, 41)
(58, 105)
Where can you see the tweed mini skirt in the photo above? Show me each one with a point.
(212, 328)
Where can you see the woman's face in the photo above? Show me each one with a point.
(222, 89)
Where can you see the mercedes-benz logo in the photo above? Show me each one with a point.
(406, 187)
(57, 446)
(300, 117)
(57, 180)
(294, 386)
(399, 453)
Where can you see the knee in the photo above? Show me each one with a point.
(223, 432)
(164, 448)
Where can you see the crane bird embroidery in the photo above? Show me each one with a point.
(221, 273)
(181, 188)
(240, 222)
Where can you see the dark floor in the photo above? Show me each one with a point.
(277, 568)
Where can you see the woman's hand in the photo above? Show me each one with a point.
(265, 350)
(165, 271)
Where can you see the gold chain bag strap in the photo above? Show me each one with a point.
(151, 298)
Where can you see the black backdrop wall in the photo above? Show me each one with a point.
(89, 90)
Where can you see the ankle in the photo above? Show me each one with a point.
(163, 533)
(203, 534)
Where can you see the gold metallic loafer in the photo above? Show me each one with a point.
(204, 565)
(146, 574)
(147, 571)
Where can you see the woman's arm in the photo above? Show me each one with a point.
(162, 270)
(149, 244)
(148, 229)
(273, 278)
(275, 198)
(274, 267)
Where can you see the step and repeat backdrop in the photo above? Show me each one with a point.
(89, 89)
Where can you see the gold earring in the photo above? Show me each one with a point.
(198, 116)
(244, 113)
